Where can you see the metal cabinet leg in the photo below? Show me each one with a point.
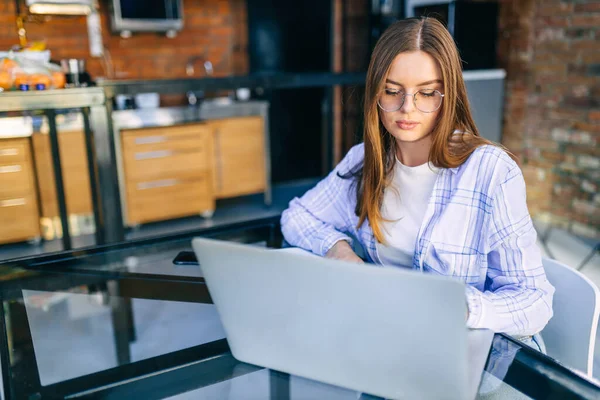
(108, 182)
(93, 173)
(4, 354)
(58, 179)
(122, 319)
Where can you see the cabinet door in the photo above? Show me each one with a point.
(19, 218)
(168, 198)
(240, 156)
(75, 173)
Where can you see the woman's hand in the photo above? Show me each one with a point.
(342, 251)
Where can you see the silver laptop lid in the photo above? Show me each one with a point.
(383, 331)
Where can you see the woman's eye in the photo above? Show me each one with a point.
(392, 92)
(428, 93)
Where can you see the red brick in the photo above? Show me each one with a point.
(587, 127)
(587, 44)
(552, 46)
(592, 57)
(587, 7)
(566, 114)
(555, 9)
(561, 21)
(592, 20)
(594, 115)
(543, 143)
(549, 69)
(579, 101)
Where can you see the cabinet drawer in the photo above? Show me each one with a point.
(162, 199)
(167, 162)
(15, 178)
(14, 151)
(148, 136)
(18, 218)
(190, 142)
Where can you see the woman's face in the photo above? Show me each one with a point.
(410, 73)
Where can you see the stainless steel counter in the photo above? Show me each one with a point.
(166, 116)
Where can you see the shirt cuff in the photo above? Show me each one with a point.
(330, 240)
(475, 307)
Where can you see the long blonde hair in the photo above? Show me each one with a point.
(447, 150)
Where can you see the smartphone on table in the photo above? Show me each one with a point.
(186, 258)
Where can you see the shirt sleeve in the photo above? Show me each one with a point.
(318, 219)
(518, 297)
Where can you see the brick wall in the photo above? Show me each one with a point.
(216, 28)
(551, 52)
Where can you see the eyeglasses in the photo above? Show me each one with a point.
(426, 101)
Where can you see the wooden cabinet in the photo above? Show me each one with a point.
(76, 177)
(19, 216)
(177, 171)
(239, 167)
(167, 172)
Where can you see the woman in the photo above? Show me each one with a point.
(426, 191)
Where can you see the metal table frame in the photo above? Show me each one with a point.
(122, 287)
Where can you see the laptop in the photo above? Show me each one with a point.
(384, 331)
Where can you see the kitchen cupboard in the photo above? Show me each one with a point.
(19, 215)
(239, 167)
(166, 172)
(176, 171)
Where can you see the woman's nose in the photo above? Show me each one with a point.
(408, 106)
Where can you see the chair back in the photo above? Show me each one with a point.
(570, 336)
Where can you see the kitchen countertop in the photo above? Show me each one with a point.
(25, 126)
(165, 116)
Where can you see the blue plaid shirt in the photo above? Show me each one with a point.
(476, 228)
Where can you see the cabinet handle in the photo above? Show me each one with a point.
(146, 155)
(150, 139)
(12, 202)
(157, 184)
(9, 152)
(10, 168)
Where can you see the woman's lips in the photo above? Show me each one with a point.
(406, 125)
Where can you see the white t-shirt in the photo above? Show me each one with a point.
(404, 204)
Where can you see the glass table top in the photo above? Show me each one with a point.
(124, 322)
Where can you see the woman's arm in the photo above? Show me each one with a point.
(518, 299)
(317, 220)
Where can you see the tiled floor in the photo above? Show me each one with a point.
(571, 251)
